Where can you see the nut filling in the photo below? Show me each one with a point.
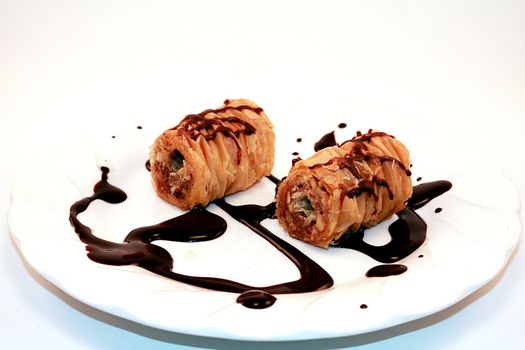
(301, 206)
(177, 161)
(180, 175)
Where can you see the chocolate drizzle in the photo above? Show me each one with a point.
(386, 270)
(313, 277)
(194, 226)
(355, 155)
(198, 125)
(274, 179)
(408, 233)
(425, 192)
(327, 140)
(369, 135)
(364, 185)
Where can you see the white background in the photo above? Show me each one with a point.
(446, 73)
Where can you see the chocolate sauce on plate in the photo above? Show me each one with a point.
(273, 179)
(386, 270)
(194, 226)
(408, 232)
(327, 140)
(256, 299)
(313, 277)
(425, 192)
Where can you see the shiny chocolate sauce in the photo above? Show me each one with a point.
(425, 192)
(327, 140)
(194, 226)
(256, 299)
(273, 179)
(313, 277)
(386, 270)
(408, 233)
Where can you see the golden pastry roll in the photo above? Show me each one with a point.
(343, 188)
(212, 154)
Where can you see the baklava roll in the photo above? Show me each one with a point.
(343, 188)
(212, 154)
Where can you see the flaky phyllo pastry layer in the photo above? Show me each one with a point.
(343, 188)
(212, 154)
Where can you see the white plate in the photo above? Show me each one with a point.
(468, 243)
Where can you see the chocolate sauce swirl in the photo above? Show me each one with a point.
(408, 233)
(313, 277)
(194, 226)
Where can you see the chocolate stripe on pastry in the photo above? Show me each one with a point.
(212, 154)
(342, 188)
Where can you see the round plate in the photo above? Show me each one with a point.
(468, 242)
